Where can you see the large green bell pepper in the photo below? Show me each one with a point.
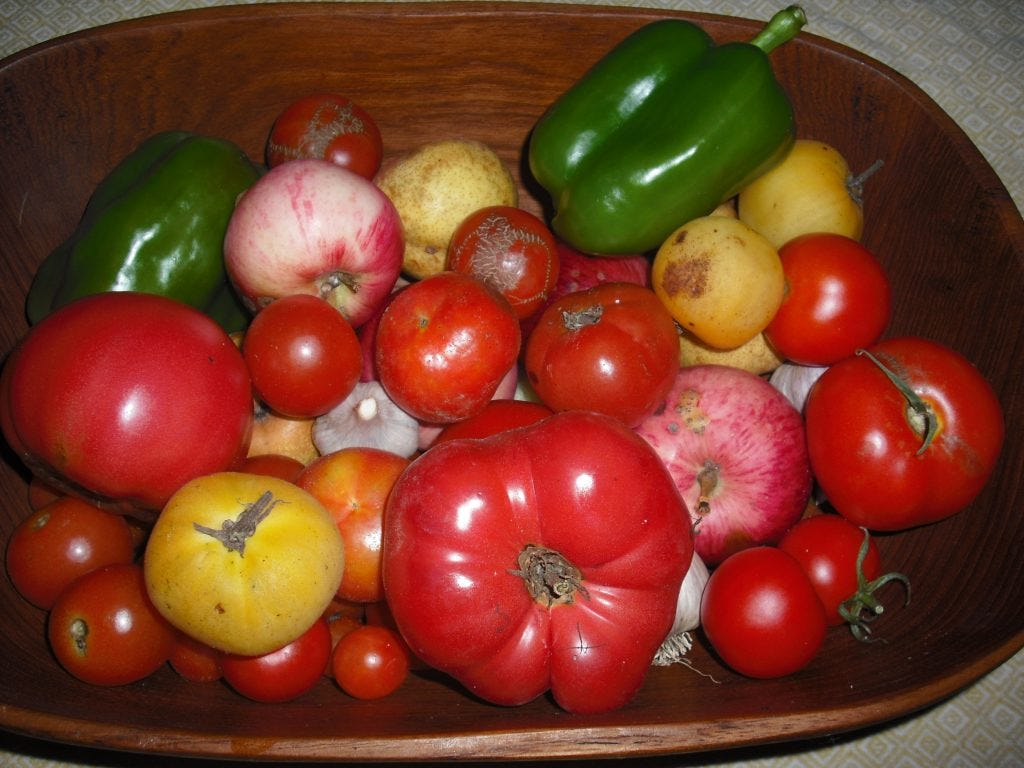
(665, 127)
(155, 224)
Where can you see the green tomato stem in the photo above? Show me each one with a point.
(852, 609)
(920, 414)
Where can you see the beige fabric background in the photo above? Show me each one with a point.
(966, 54)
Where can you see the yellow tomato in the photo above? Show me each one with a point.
(244, 563)
(719, 279)
(811, 190)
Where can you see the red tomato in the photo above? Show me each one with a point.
(273, 464)
(284, 674)
(761, 614)
(443, 345)
(303, 356)
(509, 249)
(845, 568)
(41, 493)
(886, 466)
(195, 661)
(838, 299)
(104, 630)
(548, 557)
(327, 126)
(128, 396)
(497, 416)
(62, 541)
(353, 484)
(613, 349)
(370, 662)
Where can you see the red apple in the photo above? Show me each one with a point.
(310, 226)
(735, 446)
(578, 271)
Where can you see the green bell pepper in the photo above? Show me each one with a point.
(665, 127)
(155, 224)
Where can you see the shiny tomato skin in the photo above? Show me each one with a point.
(864, 450)
(443, 345)
(370, 662)
(353, 484)
(510, 249)
(104, 630)
(284, 674)
(195, 661)
(613, 349)
(128, 396)
(497, 416)
(761, 614)
(327, 126)
(469, 518)
(826, 547)
(61, 541)
(303, 355)
(838, 299)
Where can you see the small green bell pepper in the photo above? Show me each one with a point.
(665, 127)
(155, 224)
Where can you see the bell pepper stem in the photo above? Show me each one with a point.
(782, 27)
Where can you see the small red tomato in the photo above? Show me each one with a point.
(284, 674)
(303, 356)
(195, 661)
(443, 346)
(761, 614)
(327, 126)
(613, 349)
(104, 630)
(370, 662)
(845, 568)
(837, 300)
(509, 249)
(61, 541)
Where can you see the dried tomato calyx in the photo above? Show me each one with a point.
(581, 318)
(234, 533)
(549, 577)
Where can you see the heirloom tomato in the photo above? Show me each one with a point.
(837, 300)
(509, 249)
(903, 434)
(327, 126)
(244, 563)
(127, 396)
(104, 630)
(613, 348)
(443, 346)
(497, 416)
(544, 558)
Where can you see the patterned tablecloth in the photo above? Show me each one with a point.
(966, 54)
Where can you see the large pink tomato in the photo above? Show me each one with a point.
(545, 557)
(126, 396)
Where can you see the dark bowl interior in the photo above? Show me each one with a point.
(936, 214)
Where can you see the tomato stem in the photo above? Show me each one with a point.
(234, 533)
(581, 318)
(549, 577)
(852, 609)
(921, 415)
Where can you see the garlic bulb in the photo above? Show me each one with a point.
(367, 418)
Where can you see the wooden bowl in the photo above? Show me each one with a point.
(936, 215)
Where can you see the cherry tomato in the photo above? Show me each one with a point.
(327, 126)
(353, 484)
(370, 662)
(613, 349)
(497, 416)
(60, 542)
(761, 613)
(844, 566)
(104, 630)
(195, 661)
(511, 250)
(905, 434)
(303, 356)
(443, 346)
(284, 674)
(837, 300)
